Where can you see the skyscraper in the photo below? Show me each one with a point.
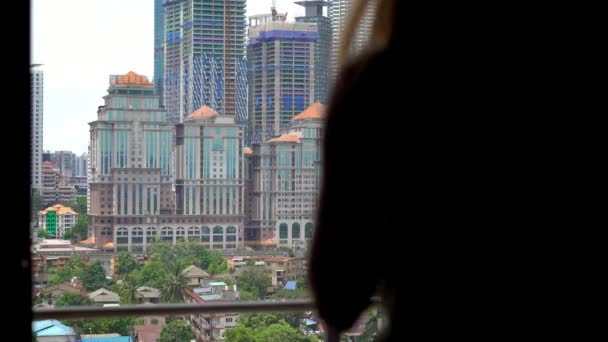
(209, 178)
(37, 87)
(159, 47)
(314, 14)
(339, 10)
(286, 182)
(130, 165)
(205, 57)
(66, 160)
(281, 75)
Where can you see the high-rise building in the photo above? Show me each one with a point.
(66, 160)
(130, 164)
(209, 179)
(314, 14)
(159, 47)
(339, 10)
(80, 168)
(286, 183)
(205, 57)
(36, 88)
(281, 75)
(55, 186)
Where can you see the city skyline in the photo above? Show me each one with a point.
(96, 39)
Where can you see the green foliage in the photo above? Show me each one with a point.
(176, 331)
(73, 299)
(68, 235)
(94, 277)
(42, 233)
(265, 327)
(36, 203)
(74, 267)
(174, 283)
(152, 274)
(226, 280)
(122, 326)
(240, 333)
(81, 229)
(126, 263)
(81, 205)
(255, 281)
(298, 293)
(214, 262)
(128, 291)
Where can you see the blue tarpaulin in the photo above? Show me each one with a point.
(291, 285)
(310, 322)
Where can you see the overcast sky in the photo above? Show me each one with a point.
(81, 42)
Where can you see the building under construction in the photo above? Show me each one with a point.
(314, 14)
(281, 59)
(205, 57)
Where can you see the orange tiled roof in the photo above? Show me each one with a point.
(268, 242)
(109, 245)
(89, 241)
(132, 78)
(286, 138)
(60, 209)
(315, 111)
(203, 112)
(247, 150)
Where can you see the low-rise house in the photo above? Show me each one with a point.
(195, 275)
(148, 294)
(207, 326)
(103, 297)
(146, 333)
(279, 269)
(51, 294)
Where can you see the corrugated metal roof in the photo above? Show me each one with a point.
(217, 283)
(212, 297)
(108, 339)
(52, 327)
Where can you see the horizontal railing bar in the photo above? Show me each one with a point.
(79, 312)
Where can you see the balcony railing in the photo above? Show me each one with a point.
(80, 312)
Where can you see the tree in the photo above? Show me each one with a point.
(74, 267)
(172, 289)
(42, 233)
(36, 203)
(240, 333)
(73, 299)
(126, 263)
(264, 327)
(81, 229)
(279, 332)
(214, 262)
(255, 281)
(176, 331)
(81, 205)
(152, 274)
(122, 326)
(94, 277)
(128, 291)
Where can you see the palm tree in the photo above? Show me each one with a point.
(172, 290)
(128, 291)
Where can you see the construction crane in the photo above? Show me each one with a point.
(273, 10)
